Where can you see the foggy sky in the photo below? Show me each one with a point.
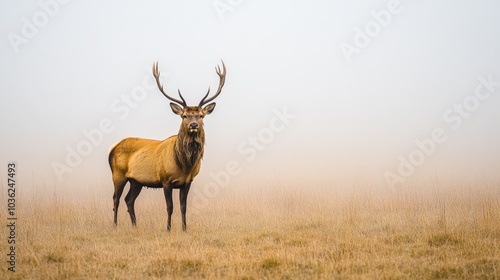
(314, 90)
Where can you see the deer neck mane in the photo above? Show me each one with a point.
(189, 148)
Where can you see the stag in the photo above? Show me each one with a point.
(169, 164)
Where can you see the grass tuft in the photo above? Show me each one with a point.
(441, 239)
(269, 263)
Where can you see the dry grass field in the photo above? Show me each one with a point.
(278, 232)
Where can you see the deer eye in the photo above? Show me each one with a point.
(184, 116)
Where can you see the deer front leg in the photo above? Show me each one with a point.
(183, 193)
(167, 190)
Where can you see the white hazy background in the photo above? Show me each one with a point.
(353, 118)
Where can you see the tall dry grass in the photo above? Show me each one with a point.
(273, 231)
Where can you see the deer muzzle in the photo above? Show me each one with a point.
(193, 127)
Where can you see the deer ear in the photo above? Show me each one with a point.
(209, 108)
(176, 108)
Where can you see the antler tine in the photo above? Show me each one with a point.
(204, 97)
(156, 74)
(222, 76)
(180, 95)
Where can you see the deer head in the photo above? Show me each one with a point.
(192, 116)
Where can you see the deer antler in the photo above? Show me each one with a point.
(156, 74)
(222, 76)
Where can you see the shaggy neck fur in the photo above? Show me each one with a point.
(189, 148)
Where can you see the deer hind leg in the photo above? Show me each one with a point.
(133, 193)
(119, 185)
